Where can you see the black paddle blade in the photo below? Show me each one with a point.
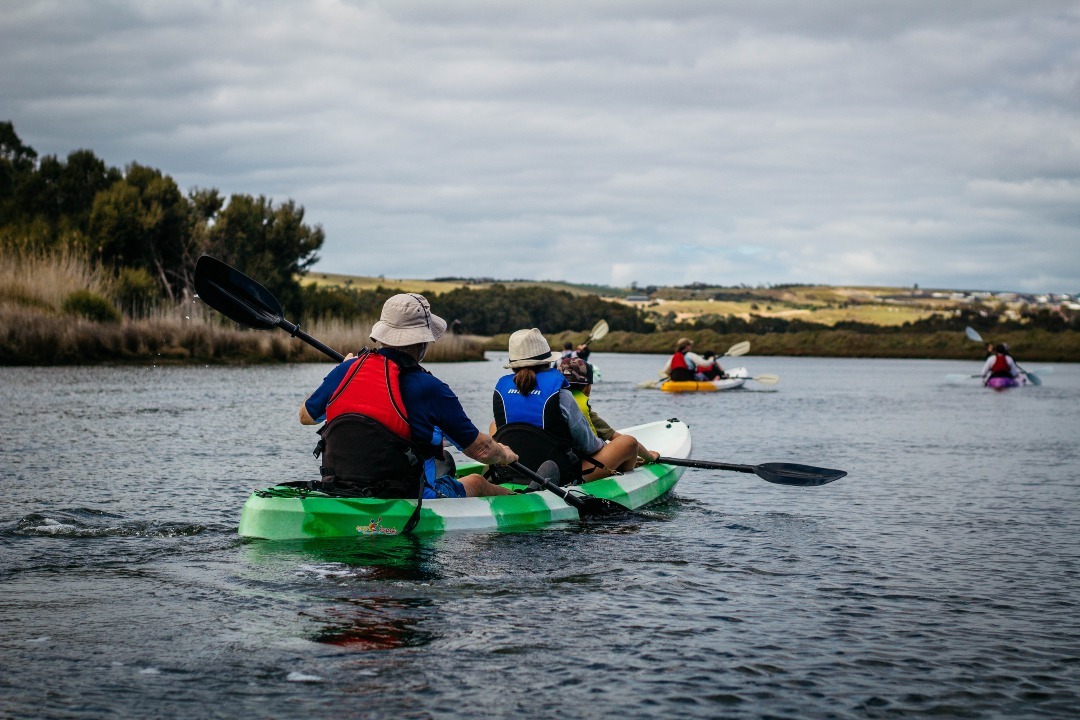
(589, 505)
(599, 506)
(549, 470)
(235, 295)
(800, 475)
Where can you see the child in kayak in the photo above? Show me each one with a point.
(579, 375)
(387, 416)
(713, 371)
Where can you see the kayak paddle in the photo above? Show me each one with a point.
(779, 473)
(599, 330)
(973, 334)
(239, 298)
(585, 504)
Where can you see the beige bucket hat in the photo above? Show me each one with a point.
(528, 348)
(407, 319)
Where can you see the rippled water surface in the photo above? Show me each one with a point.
(938, 578)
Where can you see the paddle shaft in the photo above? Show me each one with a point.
(567, 497)
(706, 464)
(780, 473)
(294, 330)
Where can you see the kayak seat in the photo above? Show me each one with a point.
(534, 446)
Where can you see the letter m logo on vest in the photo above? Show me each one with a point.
(372, 387)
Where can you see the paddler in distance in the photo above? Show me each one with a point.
(536, 415)
(386, 416)
(1000, 364)
(686, 365)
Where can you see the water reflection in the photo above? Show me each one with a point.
(374, 623)
(376, 557)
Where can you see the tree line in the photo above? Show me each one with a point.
(139, 223)
(489, 311)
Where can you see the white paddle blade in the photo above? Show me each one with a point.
(766, 379)
(599, 330)
(649, 384)
(738, 349)
(972, 334)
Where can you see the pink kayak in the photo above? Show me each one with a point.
(1004, 383)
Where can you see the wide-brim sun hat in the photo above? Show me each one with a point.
(407, 319)
(529, 348)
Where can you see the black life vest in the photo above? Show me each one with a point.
(366, 446)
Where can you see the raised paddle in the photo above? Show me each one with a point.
(779, 473)
(973, 334)
(739, 348)
(599, 330)
(239, 298)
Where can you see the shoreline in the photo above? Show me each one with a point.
(35, 339)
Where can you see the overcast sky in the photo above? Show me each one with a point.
(759, 142)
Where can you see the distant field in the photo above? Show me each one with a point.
(822, 304)
(877, 314)
(435, 287)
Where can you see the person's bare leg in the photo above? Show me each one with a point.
(478, 486)
(618, 455)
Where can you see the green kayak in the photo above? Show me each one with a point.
(284, 512)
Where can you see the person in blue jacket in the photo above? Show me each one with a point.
(392, 408)
(537, 416)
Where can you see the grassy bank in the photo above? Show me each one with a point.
(30, 337)
(58, 309)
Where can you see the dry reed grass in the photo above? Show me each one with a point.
(43, 280)
(33, 331)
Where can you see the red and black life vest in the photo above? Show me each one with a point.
(1000, 368)
(366, 445)
(680, 370)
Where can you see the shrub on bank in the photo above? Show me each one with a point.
(91, 306)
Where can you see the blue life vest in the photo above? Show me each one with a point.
(533, 426)
(540, 408)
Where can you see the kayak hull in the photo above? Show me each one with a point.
(284, 512)
(1004, 383)
(736, 379)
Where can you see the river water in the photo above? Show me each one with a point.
(939, 578)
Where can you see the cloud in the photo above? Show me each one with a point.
(599, 142)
